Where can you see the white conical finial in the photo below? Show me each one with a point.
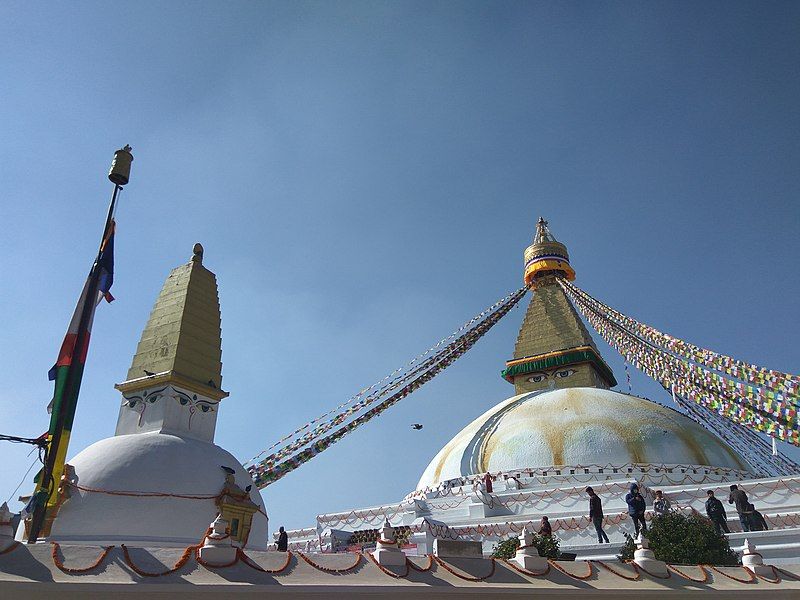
(527, 555)
(525, 538)
(218, 548)
(752, 559)
(5, 514)
(6, 531)
(645, 558)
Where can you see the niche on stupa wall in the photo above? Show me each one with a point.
(236, 507)
(168, 409)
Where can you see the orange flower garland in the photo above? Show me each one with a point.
(410, 563)
(359, 556)
(777, 577)
(10, 548)
(75, 571)
(635, 577)
(387, 571)
(639, 567)
(184, 558)
(248, 561)
(689, 577)
(525, 571)
(449, 569)
(208, 565)
(568, 574)
(746, 570)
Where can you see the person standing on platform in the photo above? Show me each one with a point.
(661, 505)
(716, 512)
(283, 540)
(545, 528)
(596, 515)
(636, 508)
(739, 499)
(756, 519)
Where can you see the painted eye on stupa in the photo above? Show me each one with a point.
(564, 373)
(537, 377)
(131, 403)
(183, 401)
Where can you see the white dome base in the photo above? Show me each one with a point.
(150, 463)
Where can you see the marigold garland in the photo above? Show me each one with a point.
(635, 577)
(387, 571)
(639, 567)
(10, 548)
(209, 565)
(411, 564)
(762, 578)
(736, 579)
(689, 577)
(184, 558)
(525, 571)
(359, 556)
(74, 570)
(568, 574)
(249, 562)
(449, 569)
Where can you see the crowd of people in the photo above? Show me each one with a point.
(749, 518)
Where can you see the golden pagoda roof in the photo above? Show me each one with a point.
(182, 341)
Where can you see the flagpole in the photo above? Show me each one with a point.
(47, 485)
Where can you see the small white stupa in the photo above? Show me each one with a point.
(160, 480)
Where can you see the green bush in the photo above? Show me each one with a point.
(628, 548)
(548, 546)
(684, 540)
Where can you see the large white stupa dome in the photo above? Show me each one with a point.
(577, 427)
(170, 467)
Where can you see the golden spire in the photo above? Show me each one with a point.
(182, 341)
(554, 349)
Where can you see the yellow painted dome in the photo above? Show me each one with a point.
(577, 427)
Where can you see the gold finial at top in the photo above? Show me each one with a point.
(197, 255)
(546, 256)
(542, 232)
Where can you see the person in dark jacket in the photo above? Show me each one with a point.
(283, 540)
(545, 528)
(716, 512)
(756, 519)
(636, 508)
(596, 515)
(739, 499)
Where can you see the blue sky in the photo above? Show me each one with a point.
(364, 177)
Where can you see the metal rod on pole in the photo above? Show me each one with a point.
(119, 174)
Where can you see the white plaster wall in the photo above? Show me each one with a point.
(150, 462)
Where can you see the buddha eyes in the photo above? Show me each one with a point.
(560, 374)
